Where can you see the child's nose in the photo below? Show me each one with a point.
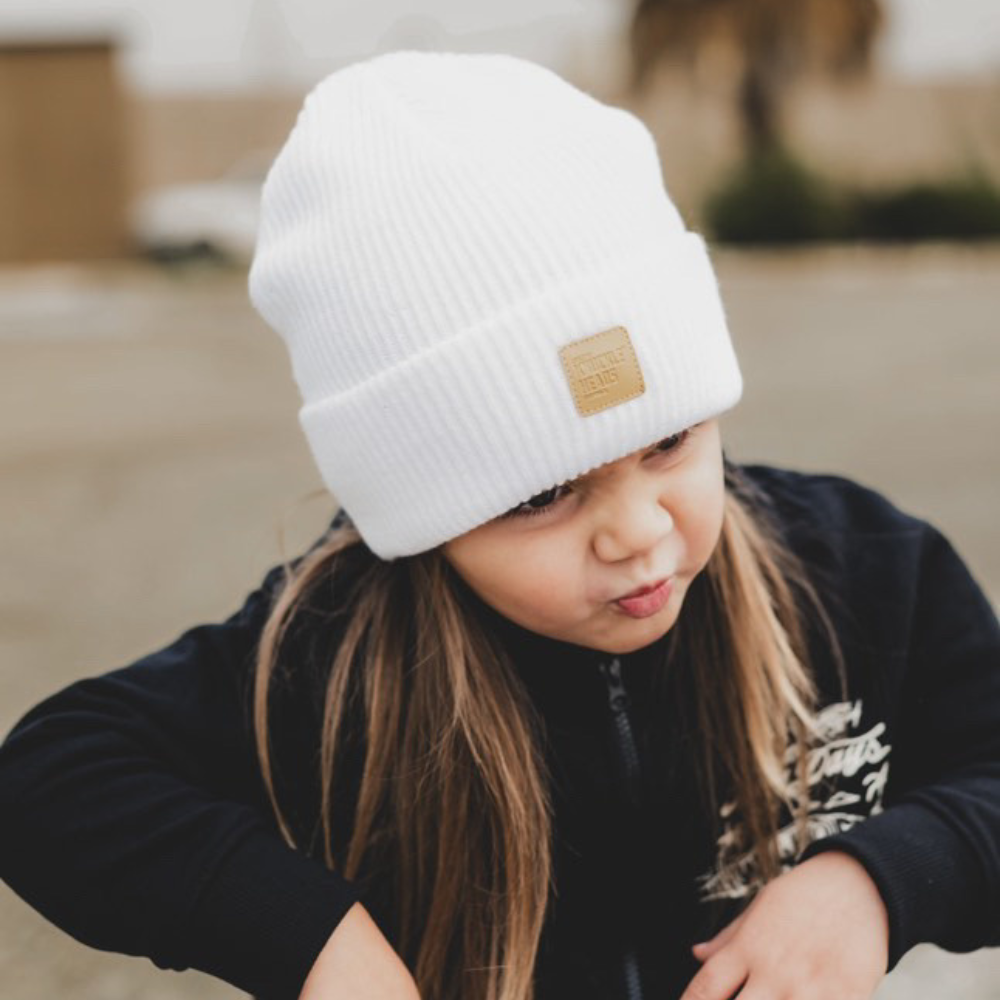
(631, 522)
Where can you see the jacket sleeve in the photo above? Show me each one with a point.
(934, 852)
(134, 818)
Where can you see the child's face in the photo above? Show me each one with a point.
(652, 514)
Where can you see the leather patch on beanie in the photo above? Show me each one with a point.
(602, 370)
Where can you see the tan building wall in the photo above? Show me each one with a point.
(182, 139)
(885, 132)
(63, 153)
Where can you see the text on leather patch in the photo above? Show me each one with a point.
(602, 370)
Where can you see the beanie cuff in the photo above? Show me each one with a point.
(412, 475)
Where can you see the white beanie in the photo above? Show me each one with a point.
(484, 289)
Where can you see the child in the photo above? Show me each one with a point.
(674, 727)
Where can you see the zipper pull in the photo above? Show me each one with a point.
(617, 695)
(628, 752)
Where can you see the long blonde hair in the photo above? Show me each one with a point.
(453, 798)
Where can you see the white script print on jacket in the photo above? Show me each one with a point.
(847, 773)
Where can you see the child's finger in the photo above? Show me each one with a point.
(718, 979)
(750, 992)
(704, 950)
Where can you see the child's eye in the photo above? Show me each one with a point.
(548, 500)
(675, 442)
(538, 504)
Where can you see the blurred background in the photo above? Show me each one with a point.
(843, 156)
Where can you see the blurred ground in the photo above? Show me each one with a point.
(150, 459)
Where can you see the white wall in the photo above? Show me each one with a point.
(177, 45)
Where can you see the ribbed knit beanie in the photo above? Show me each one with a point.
(484, 288)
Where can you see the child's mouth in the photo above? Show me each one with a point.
(647, 602)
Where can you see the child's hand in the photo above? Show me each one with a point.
(358, 963)
(819, 931)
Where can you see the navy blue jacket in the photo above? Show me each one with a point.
(134, 816)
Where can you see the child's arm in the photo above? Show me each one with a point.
(134, 818)
(357, 962)
(819, 931)
(934, 853)
(931, 859)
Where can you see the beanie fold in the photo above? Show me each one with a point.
(454, 436)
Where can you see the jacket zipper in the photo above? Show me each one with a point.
(618, 699)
